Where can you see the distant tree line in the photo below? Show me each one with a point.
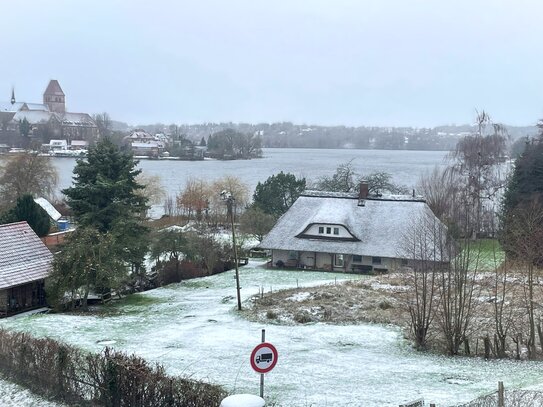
(290, 135)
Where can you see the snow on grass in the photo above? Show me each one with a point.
(299, 297)
(192, 328)
(13, 395)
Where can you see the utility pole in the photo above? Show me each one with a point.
(229, 199)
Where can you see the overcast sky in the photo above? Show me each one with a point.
(380, 62)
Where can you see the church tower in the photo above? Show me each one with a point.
(12, 96)
(54, 97)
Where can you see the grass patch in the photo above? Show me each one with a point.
(486, 254)
(132, 303)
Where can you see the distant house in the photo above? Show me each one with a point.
(346, 232)
(79, 145)
(142, 143)
(58, 145)
(25, 262)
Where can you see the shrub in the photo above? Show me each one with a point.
(384, 305)
(302, 317)
(111, 378)
(271, 314)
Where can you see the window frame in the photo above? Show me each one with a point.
(376, 260)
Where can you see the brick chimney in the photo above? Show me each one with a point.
(363, 192)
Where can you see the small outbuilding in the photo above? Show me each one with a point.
(25, 262)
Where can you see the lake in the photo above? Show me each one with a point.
(405, 166)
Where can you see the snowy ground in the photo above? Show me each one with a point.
(12, 395)
(192, 329)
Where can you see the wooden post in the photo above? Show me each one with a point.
(501, 395)
(262, 374)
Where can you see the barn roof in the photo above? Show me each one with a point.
(378, 226)
(23, 256)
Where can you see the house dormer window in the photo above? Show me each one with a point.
(327, 231)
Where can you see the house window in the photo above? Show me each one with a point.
(339, 260)
(376, 260)
(321, 229)
(357, 258)
(328, 231)
(336, 231)
(404, 262)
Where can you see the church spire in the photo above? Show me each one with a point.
(12, 95)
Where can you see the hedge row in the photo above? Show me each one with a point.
(111, 378)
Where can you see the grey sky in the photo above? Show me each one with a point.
(381, 62)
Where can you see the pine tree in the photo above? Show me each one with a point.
(278, 193)
(105, 196)
(105, 188)
(28, 210)
(526, 183)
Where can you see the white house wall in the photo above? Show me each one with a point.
(325, 261)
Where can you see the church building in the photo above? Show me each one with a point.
(23, 122)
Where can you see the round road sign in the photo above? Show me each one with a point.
(264, 357)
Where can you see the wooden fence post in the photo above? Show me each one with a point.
(501, 395)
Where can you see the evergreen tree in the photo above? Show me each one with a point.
(105, 196)
(524, 195)
(278, 193)
(24, 127)
(203, 142)
(105, 188)
(28, 210)
(526, 183)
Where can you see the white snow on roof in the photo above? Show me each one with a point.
(37, 106)
(79, 143)
(150, 144)
(32, 116)
(8, 107)
(77, 119)
(50, 209)
(380, 225)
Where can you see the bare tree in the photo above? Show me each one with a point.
(523, 240)
(458, 282)
(438, 187)
(255, 222)
(476, 158)
(152, 189)
(426, 244)
(103, 122)
(26, 173)
(194, 199)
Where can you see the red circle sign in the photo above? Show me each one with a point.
(264, 357)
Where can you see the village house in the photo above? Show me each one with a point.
(25, 262)
(142, 143)
(347, 232)
(46, 121)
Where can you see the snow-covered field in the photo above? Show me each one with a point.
(193, 329)
(12, 395)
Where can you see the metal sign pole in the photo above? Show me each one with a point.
(262, 374)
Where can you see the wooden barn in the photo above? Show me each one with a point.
(25, 262)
